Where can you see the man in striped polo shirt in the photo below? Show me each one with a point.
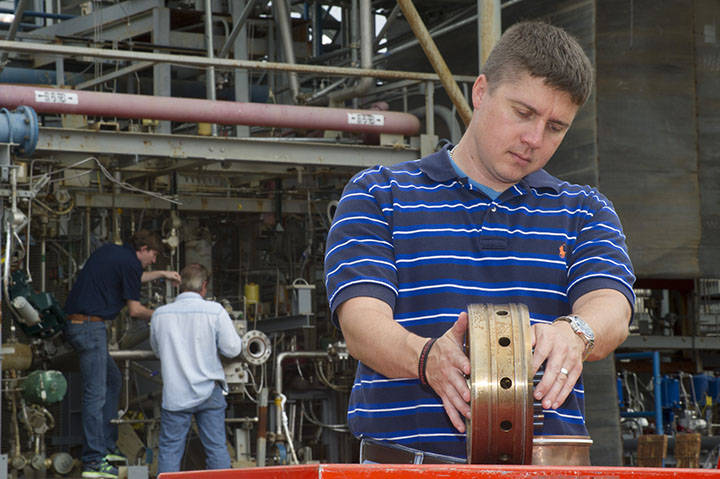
(413, 244)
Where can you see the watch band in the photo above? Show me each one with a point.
(582, 329)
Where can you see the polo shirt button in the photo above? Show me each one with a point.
(493, 209)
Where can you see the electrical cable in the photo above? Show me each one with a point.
(286, 429)
(312, 419)
(54, 212)
(112, 179)
(245, 389)
(326, 381)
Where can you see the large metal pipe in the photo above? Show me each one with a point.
(436, 59)
(448, 117)
(220, 63)
(366, 56)
(282, 18)
(193, 110)
(210, 51)
(489, 28)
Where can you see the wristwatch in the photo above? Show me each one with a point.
(582, 329)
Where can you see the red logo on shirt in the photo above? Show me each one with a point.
(561, 251)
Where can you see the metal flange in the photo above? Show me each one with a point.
(500, 430)
(256, 347)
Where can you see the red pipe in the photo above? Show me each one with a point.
(80, 102)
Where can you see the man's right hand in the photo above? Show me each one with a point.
(381, 343)
(447, 367)
(172, 276)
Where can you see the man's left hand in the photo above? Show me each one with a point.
(561, 350)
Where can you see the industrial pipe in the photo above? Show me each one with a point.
(282, 18)
(436, 59)
(220, 63)
(210, 51)
(262, 427)
(204, 111)
(489, 26)
(366, 57)
(278, 377)
(132, 354)
(19, 128)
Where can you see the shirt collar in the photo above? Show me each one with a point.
(539, 180)
(438, 167)
(130, 247)
(188, 295)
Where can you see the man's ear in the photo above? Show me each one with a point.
(479, 90)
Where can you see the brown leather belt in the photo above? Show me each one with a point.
(83, 318)
(381, 453)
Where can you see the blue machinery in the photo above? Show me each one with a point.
(19, 130)
(667, 398)
(657, 383)
(19, 127)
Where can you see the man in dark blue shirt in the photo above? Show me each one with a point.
(109, 281)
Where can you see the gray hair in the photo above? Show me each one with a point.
(542, 51)
(193, 276)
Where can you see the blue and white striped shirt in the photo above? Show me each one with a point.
(428, 243)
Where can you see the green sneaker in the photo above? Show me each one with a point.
(102, 470)
(116, 456)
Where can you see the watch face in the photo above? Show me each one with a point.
(582, 327)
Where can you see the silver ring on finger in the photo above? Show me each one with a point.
(564, 372)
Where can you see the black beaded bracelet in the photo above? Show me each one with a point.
(422, 361)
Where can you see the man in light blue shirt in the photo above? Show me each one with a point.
(187, 336)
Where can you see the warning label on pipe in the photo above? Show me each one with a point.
(49, 96)
(366, 119)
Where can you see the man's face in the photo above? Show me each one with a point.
(517, 128)
(147, 256)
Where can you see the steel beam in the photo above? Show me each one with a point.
(126, 30)
(135, 67)
(80, 25)
(104, 143)
(239, 22)
(188, 203)
(647, 343)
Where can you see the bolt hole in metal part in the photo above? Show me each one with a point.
(504, 416)
(499, 345)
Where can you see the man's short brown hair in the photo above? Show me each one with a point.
(542, 51)
(146, 238)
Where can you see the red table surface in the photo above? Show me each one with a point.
(460, 471)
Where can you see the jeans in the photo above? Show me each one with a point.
(210, 419)
(101, 388)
